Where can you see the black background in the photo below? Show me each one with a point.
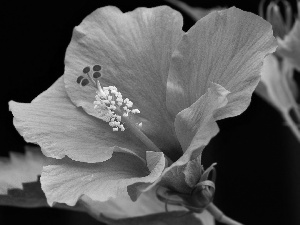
(258, 159)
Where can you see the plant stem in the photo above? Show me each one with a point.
(220, 216)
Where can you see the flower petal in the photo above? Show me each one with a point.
(225, 47)
(19, 169)
(134, 51)
(195, 126)
(193, 171)
(67, 180)
(61, 129)
(289, 47)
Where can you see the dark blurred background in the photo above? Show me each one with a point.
(258, 180)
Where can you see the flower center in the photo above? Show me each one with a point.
(109, 104)
(111, 107)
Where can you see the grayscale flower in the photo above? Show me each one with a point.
(139, 101)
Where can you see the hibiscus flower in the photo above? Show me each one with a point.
(139, 101)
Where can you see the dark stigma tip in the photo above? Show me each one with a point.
(97, 68)
(86, 69)
(84, 82)
(96, 75)
(79, 79)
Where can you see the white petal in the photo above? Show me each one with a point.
(122, 175)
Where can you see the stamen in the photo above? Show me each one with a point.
(86, 70)
(79, 79)
(135, 111)
(96, 75)
(97, 68)
(90, 79)
(107, 108)
(84, 82)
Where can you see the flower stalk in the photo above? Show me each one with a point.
(220, 216)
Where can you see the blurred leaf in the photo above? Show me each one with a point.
(31, 195)
(19, 180)
(20, 168)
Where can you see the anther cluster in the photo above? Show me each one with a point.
(90, 76)
(108, 100)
